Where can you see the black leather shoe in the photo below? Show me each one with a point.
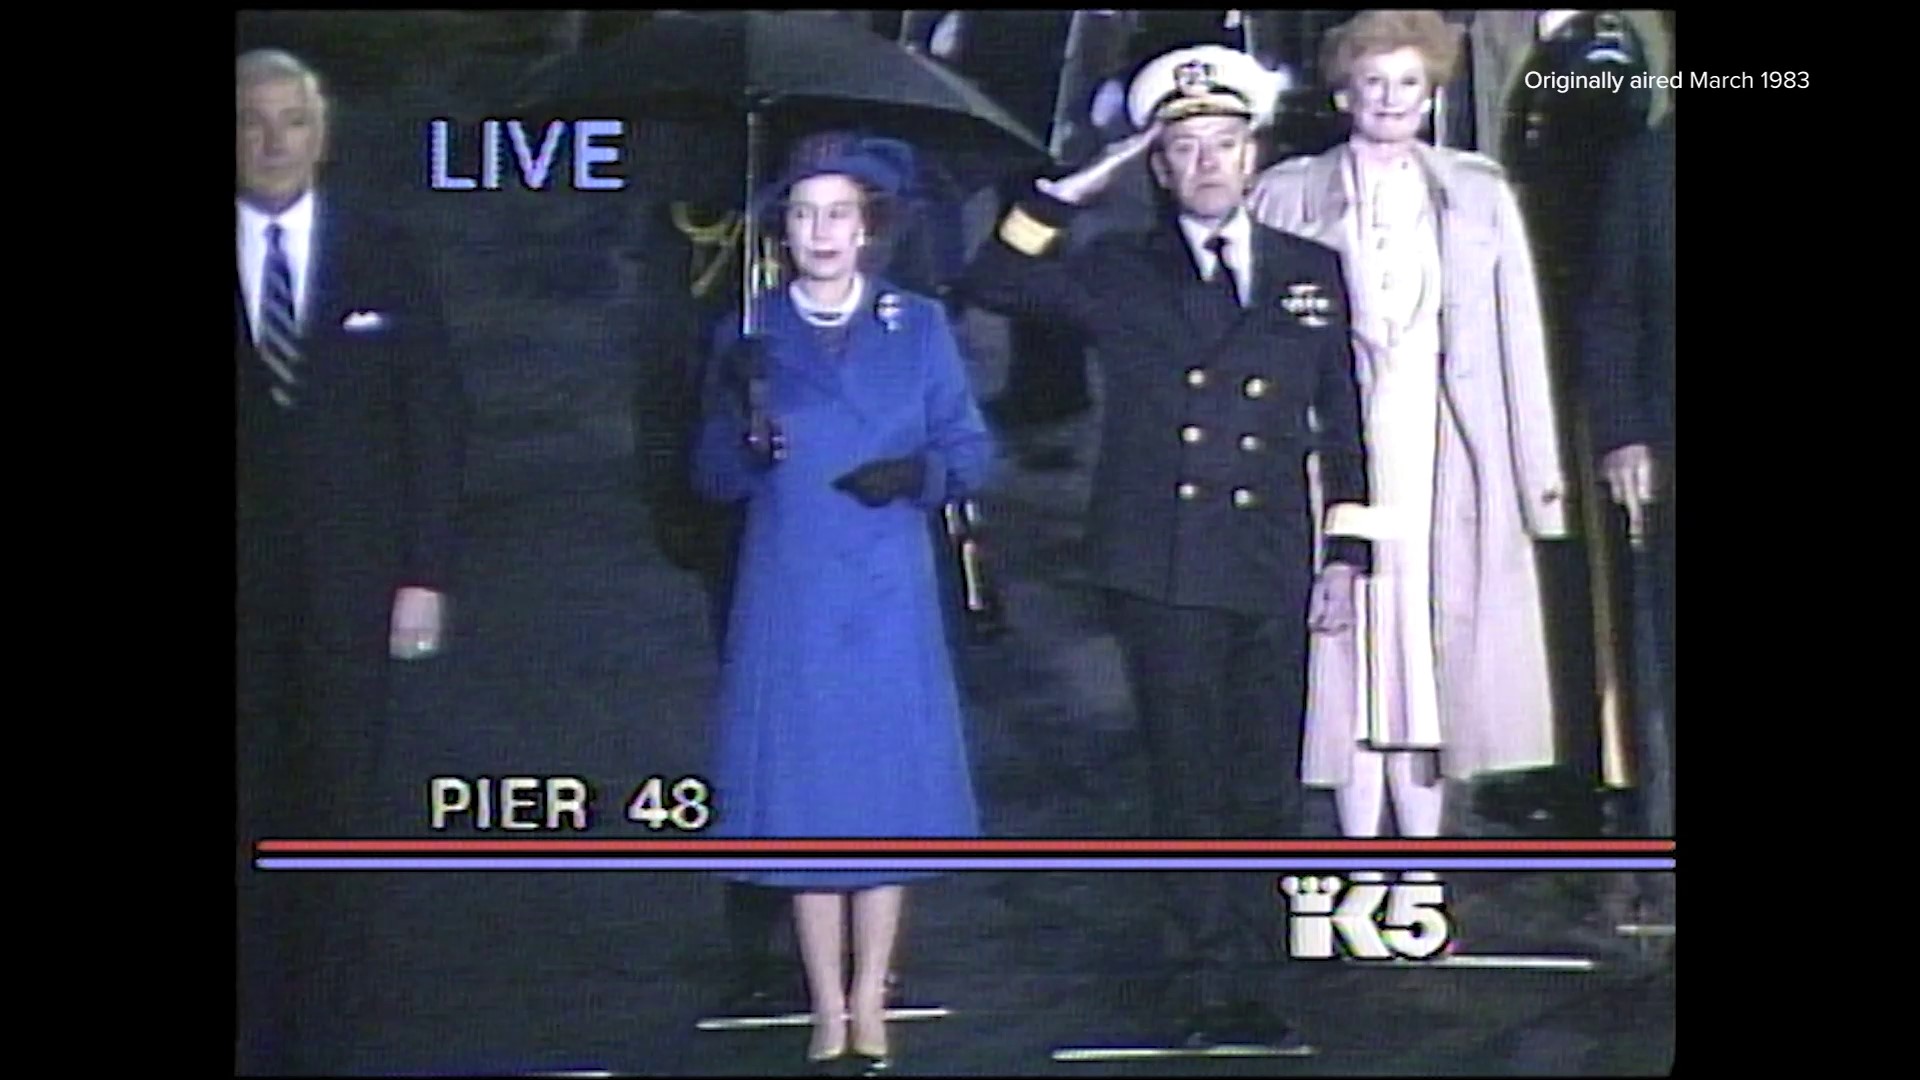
(1252, 1024)
(1202, 1028)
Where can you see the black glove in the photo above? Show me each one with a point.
(878, 483)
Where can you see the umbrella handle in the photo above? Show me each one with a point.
(750, 237)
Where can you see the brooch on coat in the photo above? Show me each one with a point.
(1305, 303)
(887, 309)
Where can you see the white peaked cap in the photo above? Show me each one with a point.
(1204, 80)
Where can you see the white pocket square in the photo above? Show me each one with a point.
(363, 320)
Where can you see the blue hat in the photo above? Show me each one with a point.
(883, 164)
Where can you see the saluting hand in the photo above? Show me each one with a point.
(1332, 607)
(1083, 186)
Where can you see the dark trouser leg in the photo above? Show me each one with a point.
(343, 790)
(350, 706)
(1176, 663)
(266, 730)
(1266, 672)
(296, 937)
(1653, 732)
(1658, 772)
(1664, 546)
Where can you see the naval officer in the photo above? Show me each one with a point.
(1227, 359)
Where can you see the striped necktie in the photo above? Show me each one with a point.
(279, 338)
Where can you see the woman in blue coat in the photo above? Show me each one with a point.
(838, 712)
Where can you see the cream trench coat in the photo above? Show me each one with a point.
(1499, 478)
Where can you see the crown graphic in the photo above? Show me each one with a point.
(1310, 895)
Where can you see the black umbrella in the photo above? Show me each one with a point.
(726, 63)
(736, 66)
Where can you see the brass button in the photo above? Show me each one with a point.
(1250, 443)
(1196, 377)
(1243, 498)
(1191, 434)
(1256, 387)
(1189, 491)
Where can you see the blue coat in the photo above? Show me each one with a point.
(838, 713)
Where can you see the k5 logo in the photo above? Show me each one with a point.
(1414, 925)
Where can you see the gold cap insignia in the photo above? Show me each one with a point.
(1193, 77)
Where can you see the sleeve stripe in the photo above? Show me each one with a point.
(1025, 234)
(1356, 520)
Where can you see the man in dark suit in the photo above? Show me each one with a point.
(1223, 342)
(1627, 358)
(351, 428)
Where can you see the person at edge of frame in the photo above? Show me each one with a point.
(1627, 357)
(1556, 149)
(351, 429)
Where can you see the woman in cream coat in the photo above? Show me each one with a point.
(1446, 677)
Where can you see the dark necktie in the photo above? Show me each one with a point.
(279, 340)
(1222, 279)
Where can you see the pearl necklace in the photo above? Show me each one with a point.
(827, 315)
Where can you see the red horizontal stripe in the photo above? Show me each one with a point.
(973, 847)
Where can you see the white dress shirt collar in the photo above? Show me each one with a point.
(295, 220)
